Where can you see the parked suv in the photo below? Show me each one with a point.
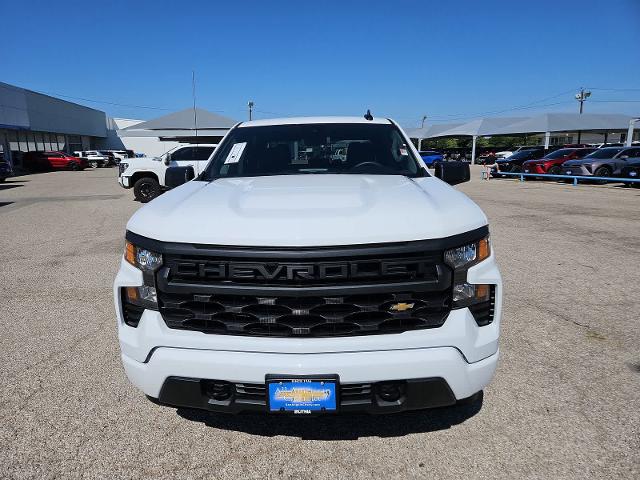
(283, 280)
(604, 162)
(515, 161)
(146, 175)
(552, 162)
(5, 168)
(95, 158)
(632, 170)
(41, 161)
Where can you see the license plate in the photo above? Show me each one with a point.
(302, 395)
(526, 171)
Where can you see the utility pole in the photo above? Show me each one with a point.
(424, 117)
(250, 105)
(581, 98)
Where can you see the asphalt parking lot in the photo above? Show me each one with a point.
(565, 402)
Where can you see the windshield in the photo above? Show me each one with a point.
(524, 154)
(604, 153)
(563, 152)
(377, 149)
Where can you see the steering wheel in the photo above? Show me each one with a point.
(368, 164)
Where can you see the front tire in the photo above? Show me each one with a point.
(516, 169)
(93, 164)
(602, 172)
(555, 170)
(74, 166)
(146, 189)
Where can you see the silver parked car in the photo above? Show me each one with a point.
(604, 162)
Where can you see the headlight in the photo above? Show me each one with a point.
(141, 258)
(478, 297)
(468, 255)
(137, 298)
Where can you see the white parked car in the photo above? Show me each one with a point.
(284, 280)
(146, 175)
(95, 158)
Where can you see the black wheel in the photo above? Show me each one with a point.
(516, 169)
(93, 164)
(602, 172)
(74, 166)
(555, 170)
(146, 189)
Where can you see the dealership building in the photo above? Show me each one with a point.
(34, 122)
(31, 121)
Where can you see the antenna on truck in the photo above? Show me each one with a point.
(193, 92)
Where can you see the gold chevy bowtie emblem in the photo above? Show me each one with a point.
(401, 307)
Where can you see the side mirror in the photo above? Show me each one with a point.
(452, 172)
(176, 176)
(624, 157)
(167, 159)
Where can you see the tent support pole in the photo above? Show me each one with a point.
(473, 150)
(630, 131)
(547, 137)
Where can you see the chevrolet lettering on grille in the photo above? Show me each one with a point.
(413, 269)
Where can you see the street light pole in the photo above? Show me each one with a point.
(581, 97)
(250, 105)
(424, 117)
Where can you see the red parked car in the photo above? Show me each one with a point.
(53, 160)
(551, 163)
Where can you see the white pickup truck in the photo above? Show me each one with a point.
(146, 174)
(314, 266)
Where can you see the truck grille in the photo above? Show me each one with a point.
(316, 316)
(305, 292)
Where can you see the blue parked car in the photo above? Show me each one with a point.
(430, 157)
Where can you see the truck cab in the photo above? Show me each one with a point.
(146, 175)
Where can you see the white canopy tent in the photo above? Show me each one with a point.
(546, 124)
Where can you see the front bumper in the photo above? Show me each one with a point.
(578, 170)
(460, 353)
(533, 169)
(124, 182)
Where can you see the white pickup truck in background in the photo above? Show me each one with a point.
(146, 174)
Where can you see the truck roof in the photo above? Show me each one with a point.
(308, 120)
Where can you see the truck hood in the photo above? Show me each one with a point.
(308, 210)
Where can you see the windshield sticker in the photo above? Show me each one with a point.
(404, 152)
(235, 153)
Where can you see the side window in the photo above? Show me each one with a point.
(634, 152)
(185, 153)
(202, 153)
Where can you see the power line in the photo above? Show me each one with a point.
(617, 89)
(526, 106)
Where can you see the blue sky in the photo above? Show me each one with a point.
(450, 60)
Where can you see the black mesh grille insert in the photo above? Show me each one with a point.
(316, 316)
(483, 312)
(323, 292)
(131, 313)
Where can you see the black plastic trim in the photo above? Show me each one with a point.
(418, 394)
(437, 244)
